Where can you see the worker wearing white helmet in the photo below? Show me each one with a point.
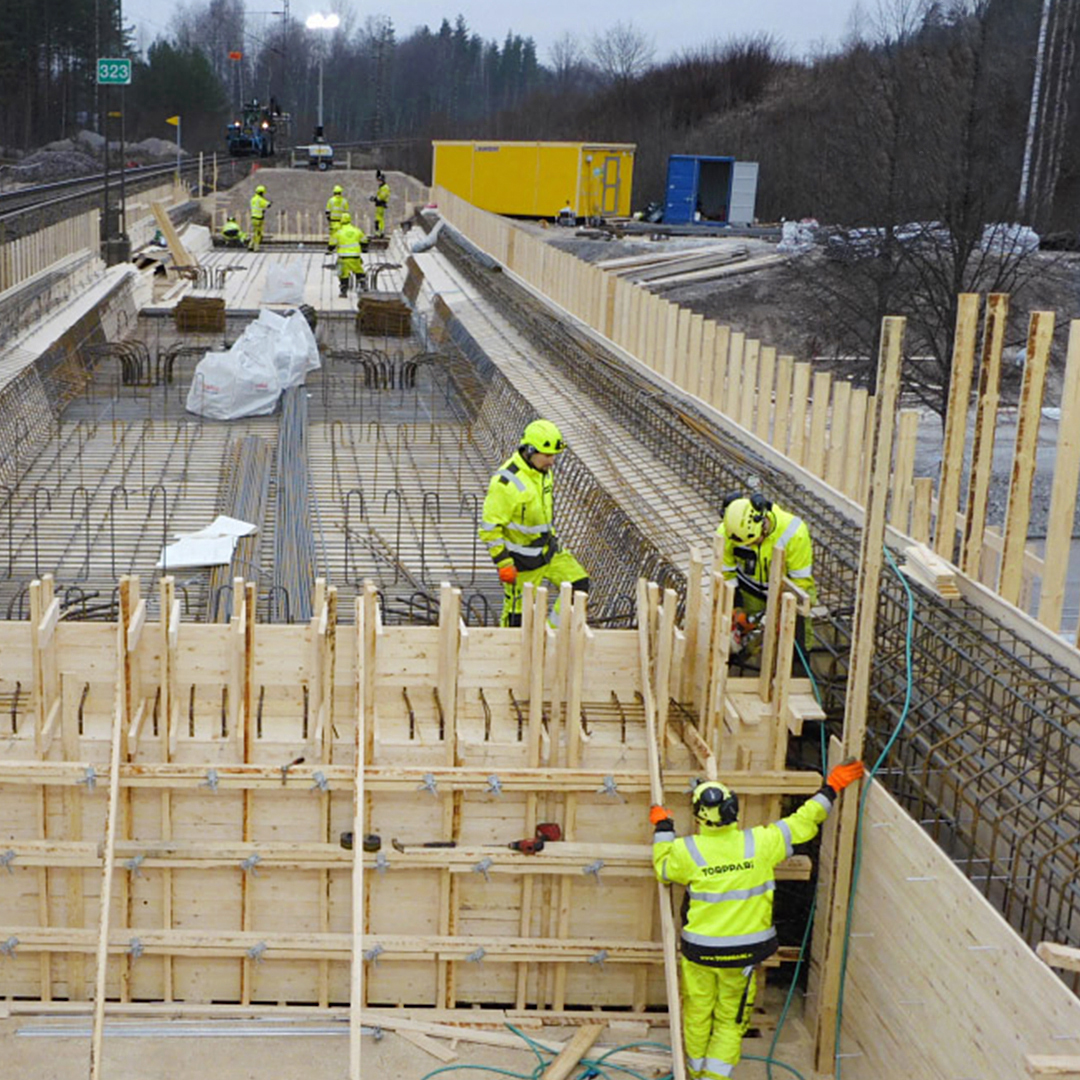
(259, 205)
(752, 528)
(728, 919)
(519, 522)
(336, 205)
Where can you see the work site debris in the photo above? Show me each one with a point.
(1009, 239)
(274, 353)
(797, 237)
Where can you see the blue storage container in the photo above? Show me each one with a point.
(710, 190)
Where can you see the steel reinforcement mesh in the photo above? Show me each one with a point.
(988, 760)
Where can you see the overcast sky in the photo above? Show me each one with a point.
(673, 25)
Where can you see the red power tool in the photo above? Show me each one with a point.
(533, 845)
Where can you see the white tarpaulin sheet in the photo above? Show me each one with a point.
(275, 352)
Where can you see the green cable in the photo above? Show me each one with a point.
(770, 1062)
(857, 861)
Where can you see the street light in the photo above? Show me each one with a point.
(319, 21)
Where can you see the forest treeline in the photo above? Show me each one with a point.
(921, 114)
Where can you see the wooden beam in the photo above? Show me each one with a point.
(1063, 491)
(871, 557)
(365, 679)
(117, 752)
(573, 1052)
(1018, 512)
(952, 451)
(656, 794)
(1052, 1065)
(982, 446)
(237, 777)
(1064, 957)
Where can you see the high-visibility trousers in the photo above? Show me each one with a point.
(347, 266)
(717, 1005)
(256, 233)
(380, 219)
(563, 567)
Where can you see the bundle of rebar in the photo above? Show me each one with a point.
(245, 488)
(294, 543)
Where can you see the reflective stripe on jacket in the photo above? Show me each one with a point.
(728, 872)
(518, 520)
(336, 205)
(382, 196)
(751, 564)
(349, 239)
(259, 206)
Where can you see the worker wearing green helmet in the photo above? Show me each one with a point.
(518, 524)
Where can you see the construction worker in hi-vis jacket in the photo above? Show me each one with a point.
(518, 524)
(752, 528)
(336, 205)
(728, 911)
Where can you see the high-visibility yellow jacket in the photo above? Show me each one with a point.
(349, 241)
(518, 523)
(728, 872)
(382, 196)
(259, 205)
(750, 565)
(336, 205)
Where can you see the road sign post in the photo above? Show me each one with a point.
(114, 71)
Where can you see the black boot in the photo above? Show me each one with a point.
(344, 290)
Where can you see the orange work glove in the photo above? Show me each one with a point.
(658, 813)
(845, 774)
(508, 573)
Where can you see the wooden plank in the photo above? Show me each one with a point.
(365, 677)
(695, 578)
(733, 392)
(1052, 1064)
(428, 1045)
(721, 364)
(766, 375)
(180, 254)
(771, 624)
(819, 420)
(800, 395)
(1018, 512)
(751, 355)
(904, 470)
(785, 367)
(839, 419)
(656, 793)
(952, 451)
(665, 648)
(1064, 957)
(117, 752)
(922, 508)
(856, 441)
(1063, 491)
(871, 556)
(982, 447)
(573, 1052)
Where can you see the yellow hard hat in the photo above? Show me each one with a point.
(544, 436)
(260, 190)
(346, 217)
(744, 518)
(714, 804)
(337, 189)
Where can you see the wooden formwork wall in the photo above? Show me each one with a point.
(823, 424)
(193, 782)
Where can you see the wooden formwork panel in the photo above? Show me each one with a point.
(237, 777)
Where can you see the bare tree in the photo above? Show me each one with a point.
(622, 52)
(568, 60)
